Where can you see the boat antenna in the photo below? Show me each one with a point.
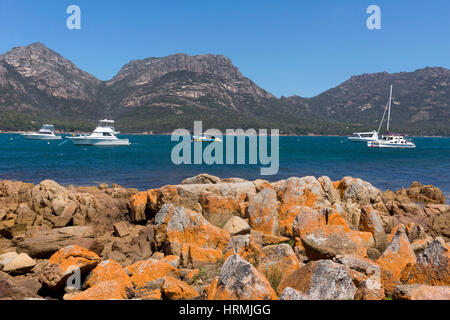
(389, 110)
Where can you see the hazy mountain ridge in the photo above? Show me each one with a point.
(421, 100)
(162, 94)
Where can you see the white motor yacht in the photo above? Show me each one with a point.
(364, 136)
(46, 132)
(103, 135)
(205, 138)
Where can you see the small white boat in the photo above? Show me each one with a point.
(103, 135)
(364, 136)
(46, 132)
(390, 140)
(205, 139)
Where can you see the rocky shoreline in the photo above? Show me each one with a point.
(211, 238)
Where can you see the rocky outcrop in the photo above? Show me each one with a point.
(246, 247)
(432, 266)
(397, 256)
(321, 280)
(217, 202)
(190, 236)
(174, 289)
(108, 270)
(292, 294)
(239, 280)
(65, 263)
(148, 272)
(366, 276)
(14, 263)
(278, 262)
(105, 290)
(237, 226)
(49, 205)
(417, 192)
(211, 238)
(421, 292)
(329, 241)
(42, 243)
(12, 288)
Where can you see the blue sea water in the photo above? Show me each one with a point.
(146, 163)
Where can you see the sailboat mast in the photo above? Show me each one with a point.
(389, 110)
(382, 119)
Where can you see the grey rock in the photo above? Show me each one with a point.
(322, 280)
(237, 226)
(292, 294)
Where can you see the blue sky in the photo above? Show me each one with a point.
(286, 47)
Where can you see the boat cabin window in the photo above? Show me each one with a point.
(48, 127)
(106, 134)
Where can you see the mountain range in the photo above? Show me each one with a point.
(162, 94)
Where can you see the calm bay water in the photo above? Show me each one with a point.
(147, 162)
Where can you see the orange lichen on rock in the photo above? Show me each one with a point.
(307, 221)
(105, 290)
(175, 289)
(138, 205)
(286, 217)
(321, 280)
(305, 191)
(108, 270)
(143, 272)
(336, 184)
(246, 247)
(395, 258)
(337, 220)
(174, 261)
(199, 256)
(363, 238)
(212, 289)
(330, 240)
(189, 275)
(371, 222)
(239, 280)
(432, 266)
(278, 262)
(218, 209)
(71, 257)
(263, 212)
(179, 226)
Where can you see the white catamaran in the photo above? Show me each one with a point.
(46, 132)
(103, 135)
(364, 136)
(390, 140)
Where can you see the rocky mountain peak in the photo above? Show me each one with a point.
(200, 77)
(144, 71)
(49, 72)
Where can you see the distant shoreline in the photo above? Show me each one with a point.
(168, 134)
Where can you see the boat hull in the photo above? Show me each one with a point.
(374, 144)
(353, 139)
(40, 137)
(99, 142)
